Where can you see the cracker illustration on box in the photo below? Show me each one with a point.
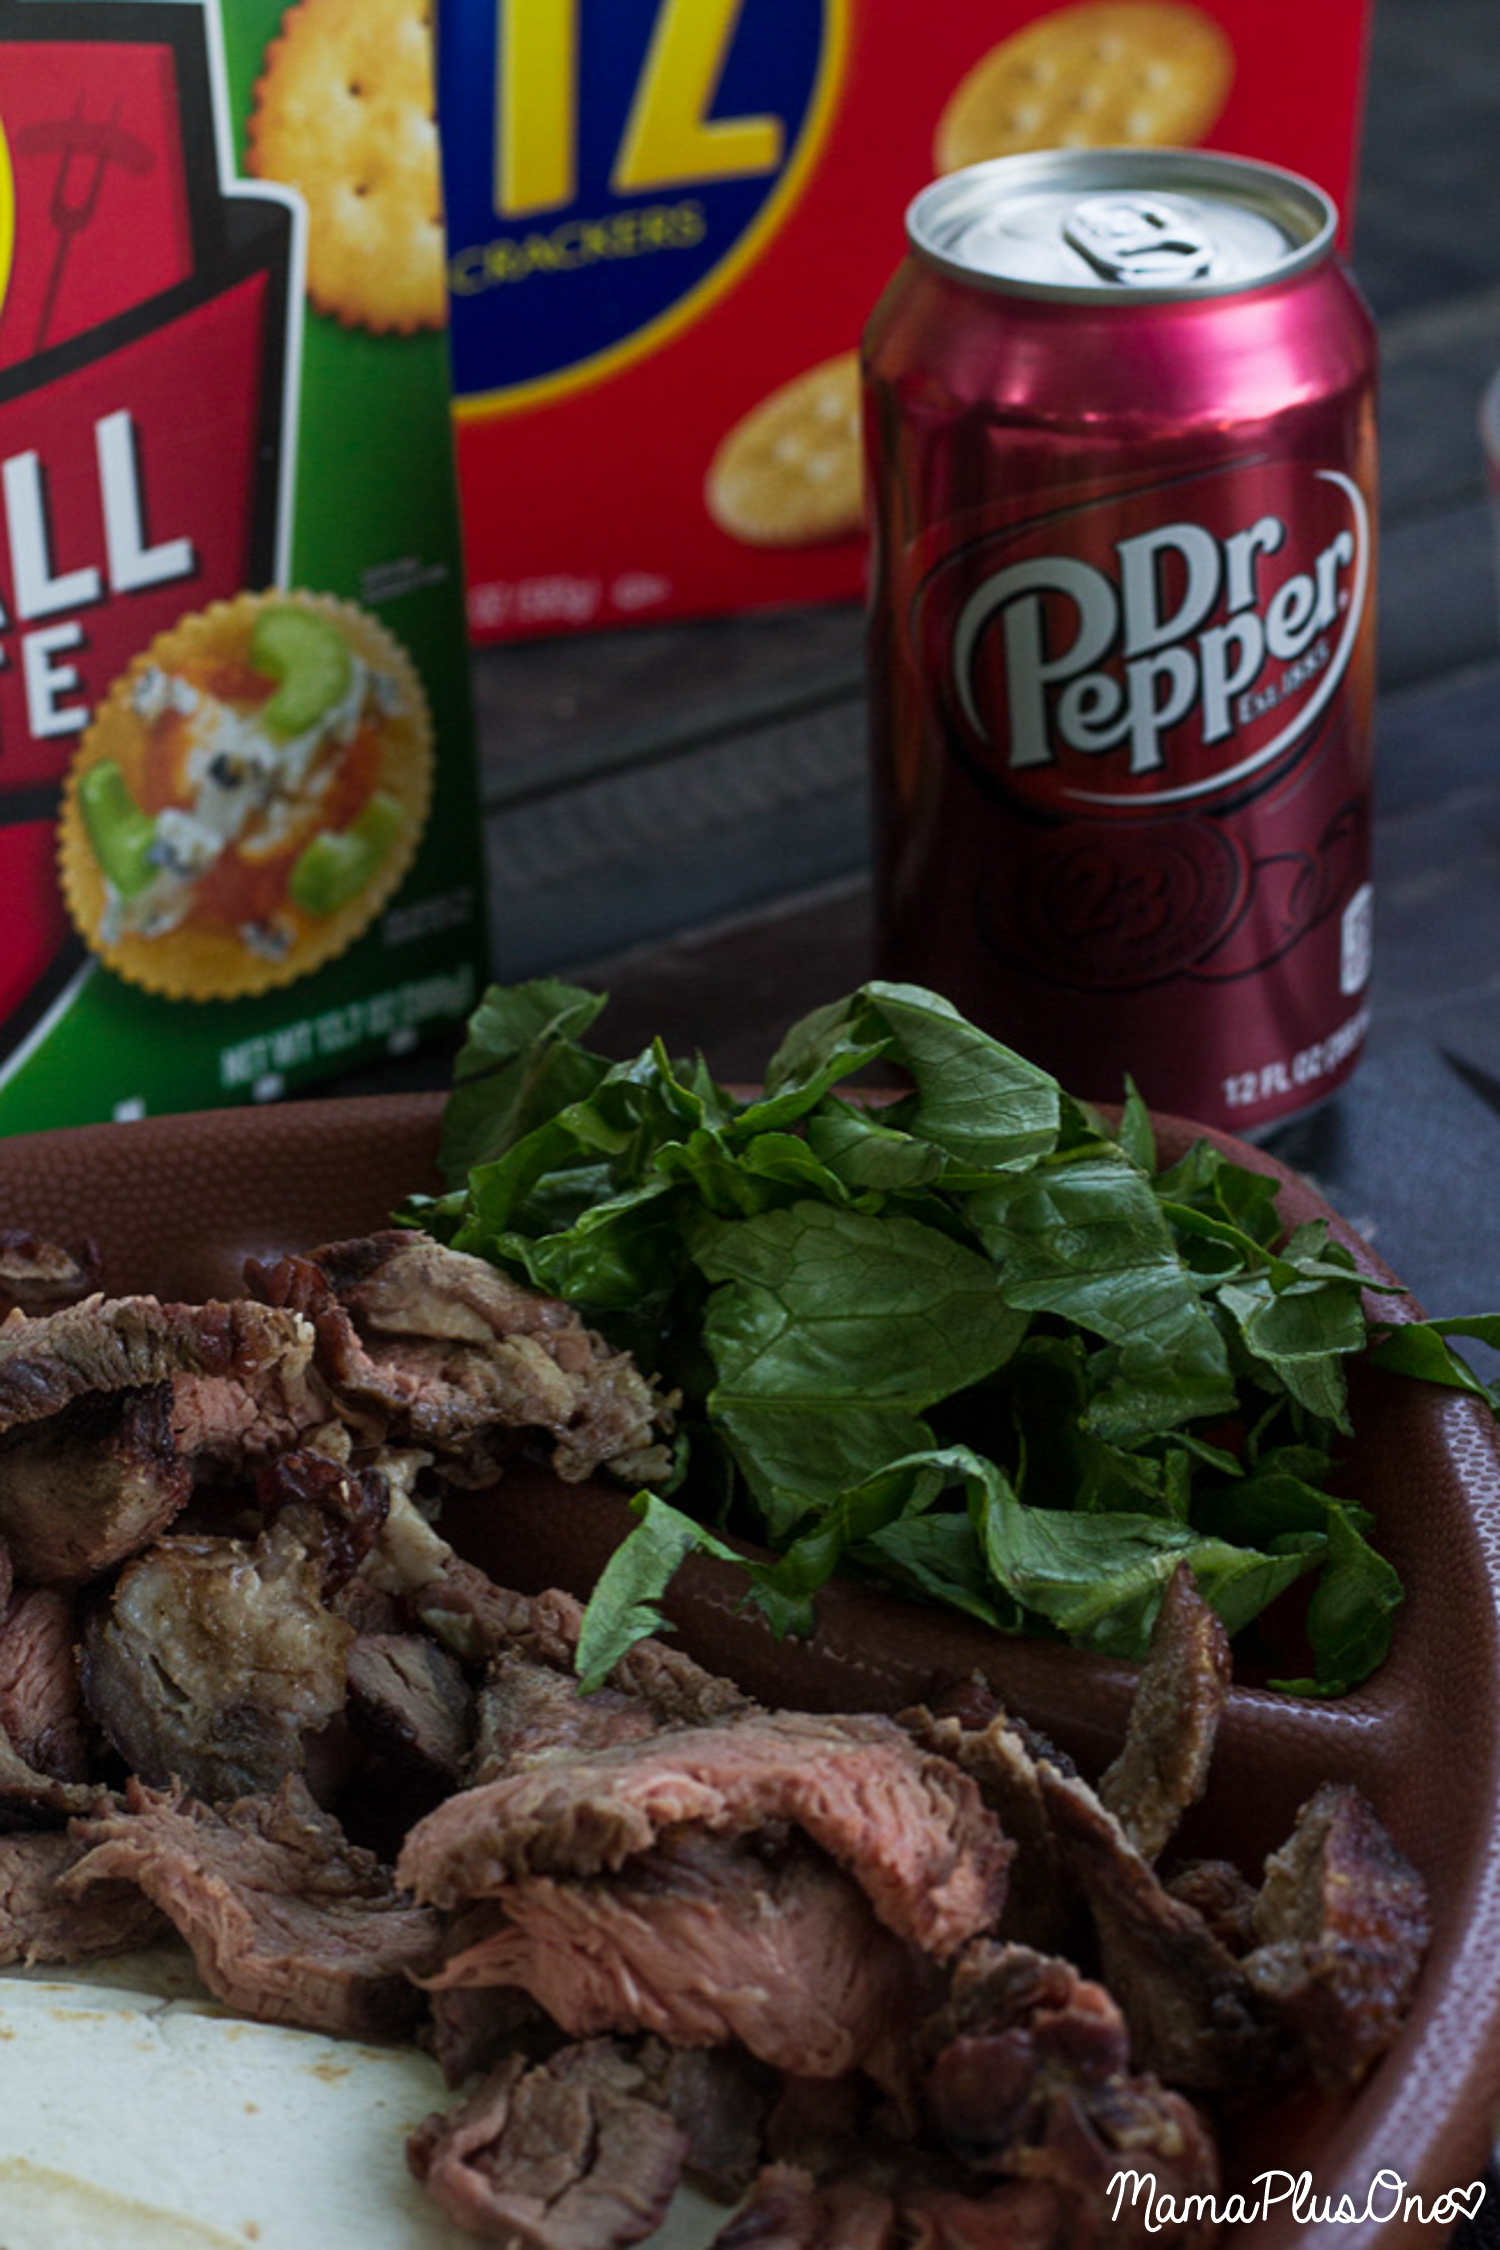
(344, 112)
(790, 472)
(247, 796)
(1102, 74)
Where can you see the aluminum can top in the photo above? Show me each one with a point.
(1130, 224)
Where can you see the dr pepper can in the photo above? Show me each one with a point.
(1120, 419)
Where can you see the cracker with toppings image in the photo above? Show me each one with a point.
(1104, 74)
(344, 112)
(247, 797)
(790, 472)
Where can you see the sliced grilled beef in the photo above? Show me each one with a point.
(531, 1710)
(474, 2027)
(30, 1798)
(571, 2154)
(907, 1826)
(1343, 1924)
(109, 1408)
(438, 1349)
(214, 1660)
(1195, 2020)
(88, 1486)
(409, 1700)
(287, 1920)
(41, 1921)
(37, 1276)
(337, 1511)
(719, 2096)
(791, 2209)
(1174, 1716)
(1041, 1907)
(128, 1343)
(710, 1939)
(226, 1424)
(1216, 1890)
(531, 1714)
(40, 1710)
(1029, 2077)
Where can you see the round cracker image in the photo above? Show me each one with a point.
(344, 112)
(1104, 74)
(247, 796)
(790, 472)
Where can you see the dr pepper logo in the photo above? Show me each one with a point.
(611, 167)
(1177, 646)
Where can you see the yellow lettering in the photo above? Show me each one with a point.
(573, 243)
(670, 136)
(7, 216)
(536, 155)
(466, 275)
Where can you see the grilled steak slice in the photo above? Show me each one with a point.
(336, 1511)
(1195, 2019)
(530, 1714)
(226, 1424)
(88, 1486)
(40, 1711)
(791, 2209)
(439, 1349)
(214, 1660)
(531, 1710)
(31, 1799)
(127, 1343)
(710, 1939)
(1030, 2078)
(1041, 1907)
(1027, 2113)
(409, 1700)
(907, 1826)
(676, 1690)
(287, 1920)
(1217, 1890)
(37, 1276)
(1343, 1924)
(1174, 1716)
(572, 2154)
(474, 2027)
(720, 2097)
(39, 1921)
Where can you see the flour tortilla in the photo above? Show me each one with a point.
(139, 2115)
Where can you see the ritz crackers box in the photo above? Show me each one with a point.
(668, 220)
(238, 842)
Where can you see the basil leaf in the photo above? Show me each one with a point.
(1088, 1241)
(520, 1062)
(623, 1606)
(833, 1332)
(1349, 1615)
(970, 1340)
(1420, 1348)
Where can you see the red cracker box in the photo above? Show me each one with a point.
(668, 220)
(238, 844)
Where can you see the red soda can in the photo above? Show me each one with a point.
(1120, 420)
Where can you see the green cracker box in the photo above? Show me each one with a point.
(239, 844)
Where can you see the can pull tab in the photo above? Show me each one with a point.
(1137, 239)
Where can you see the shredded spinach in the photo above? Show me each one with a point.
(970, 1342)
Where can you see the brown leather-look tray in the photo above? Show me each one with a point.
(176, 1204)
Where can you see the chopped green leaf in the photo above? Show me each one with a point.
(966, 1339)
